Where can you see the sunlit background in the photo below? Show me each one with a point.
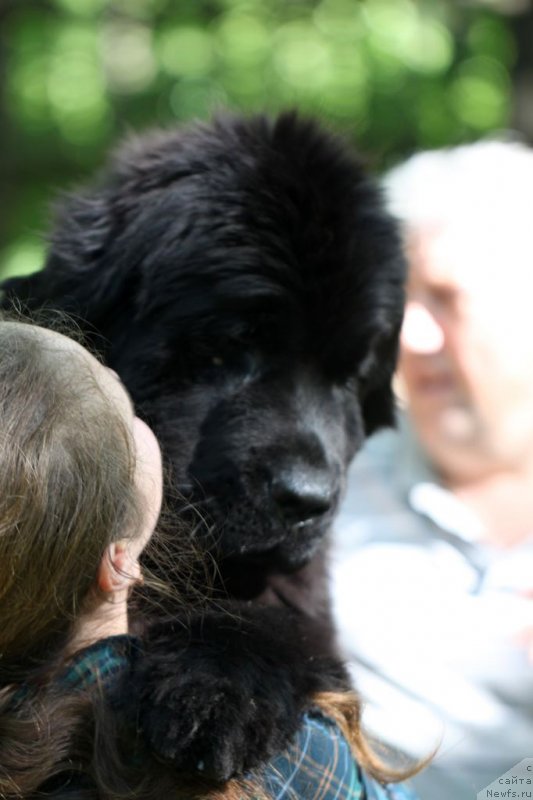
(393, 75)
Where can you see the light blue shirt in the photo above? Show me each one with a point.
(429, 620)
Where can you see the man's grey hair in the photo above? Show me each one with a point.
(484, 184)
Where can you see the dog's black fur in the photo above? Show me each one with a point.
(249, 287)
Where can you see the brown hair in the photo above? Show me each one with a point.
(67, 491)
(344, 708)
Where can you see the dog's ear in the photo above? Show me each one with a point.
(79, 276)
(376, 373)
(379, 409)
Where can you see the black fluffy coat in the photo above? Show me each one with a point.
(247, 285)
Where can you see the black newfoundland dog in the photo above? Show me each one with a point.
(247, 285)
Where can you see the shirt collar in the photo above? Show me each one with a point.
(426, 496)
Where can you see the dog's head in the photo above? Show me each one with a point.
(247, 285)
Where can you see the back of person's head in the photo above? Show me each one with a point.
(66, 492)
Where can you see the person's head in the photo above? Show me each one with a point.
(80, 493)
(467, 340)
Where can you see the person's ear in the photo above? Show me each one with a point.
(118, 570)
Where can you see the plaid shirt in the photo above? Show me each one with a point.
(318, 765)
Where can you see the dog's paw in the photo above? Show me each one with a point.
(222, 695)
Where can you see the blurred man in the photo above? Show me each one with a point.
(433, 557)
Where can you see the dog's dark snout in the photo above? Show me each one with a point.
(302, 495)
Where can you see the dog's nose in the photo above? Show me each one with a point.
(302, 495)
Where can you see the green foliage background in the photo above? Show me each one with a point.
(393, 75)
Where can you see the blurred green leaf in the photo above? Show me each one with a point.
(480, 94)
(22, 258)
(185, 51)
(302, 57)
(127, 55)
(490, 36)
(243, 40)
(82, 8)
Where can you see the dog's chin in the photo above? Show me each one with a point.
(259, 540)
(297, 547)
(300, 547)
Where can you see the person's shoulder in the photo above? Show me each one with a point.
(317, 764)
(320, 765)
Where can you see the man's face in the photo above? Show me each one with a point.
(467, 350)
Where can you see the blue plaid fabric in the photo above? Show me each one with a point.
(318, 765)
(100, 663)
